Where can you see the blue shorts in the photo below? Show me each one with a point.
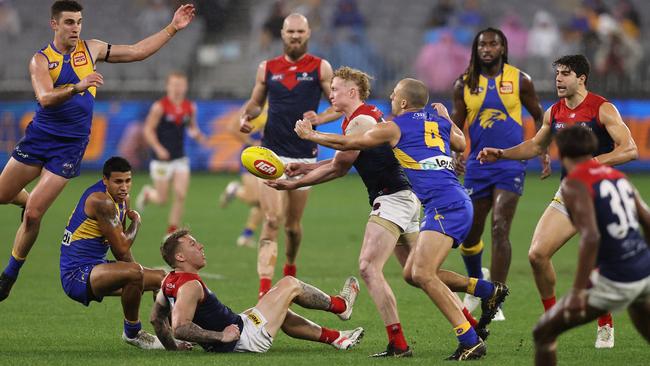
(481, 184)
(59, 155)
(76, 284)
(453, 220)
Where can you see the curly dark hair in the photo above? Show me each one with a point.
(473, 72)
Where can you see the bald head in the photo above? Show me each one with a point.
(295, 20)
(414, 92)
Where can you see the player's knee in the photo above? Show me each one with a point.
(408, 277)
(500, 232)
(135, 273)
(4, 198)
(180, 195)
(290, 283)
(369, 272)
(536, 258)
(32, 217)
(421, 275)
(272, 222)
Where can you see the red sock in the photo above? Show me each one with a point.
(337, 305)
(548, 303)
(171, 229)
(328, 335)
(606, 320)
(289, 269)
(265, 286)
(469, 318)
(396, 336)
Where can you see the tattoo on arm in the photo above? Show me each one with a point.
(160, 322)
(132, 231)
(193, 333)
(312, 298)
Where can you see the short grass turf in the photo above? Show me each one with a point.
(40, 325)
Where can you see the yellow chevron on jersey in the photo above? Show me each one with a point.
(507, 89)
(405, 160)
(64, 68)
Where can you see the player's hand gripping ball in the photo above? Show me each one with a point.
(262, 162)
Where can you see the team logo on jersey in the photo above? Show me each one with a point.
(305, 77)
(438, 217)
(489, 116)
(277, 77)
(53, 65)
(440, 162)
(79, 58)
(506, 87)
(572, 115)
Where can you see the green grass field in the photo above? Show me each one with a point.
(39, 324)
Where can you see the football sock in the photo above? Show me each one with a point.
(466, 334)
(289, 270)
(328, 335)
(480, 288)
(472, 258)
(171, 229)
(337, 305)
(265, 286)
(131, 329)
(470, 318)
(548, 303)
(15, 263)
(247, 232)
(396, 336)
(605, 320)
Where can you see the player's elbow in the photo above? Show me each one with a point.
(590, 238)
(459, 145)
(632, 152)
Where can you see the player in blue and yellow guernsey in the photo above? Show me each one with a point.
(293, 84)
(96, 225)
(488, 99)
(422, 143)
(610, 215)
(65, 83)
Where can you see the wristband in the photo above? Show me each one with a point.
(170, 34)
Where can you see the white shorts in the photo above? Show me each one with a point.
(286, 161)
(254, 337)
(558, 203)
(163, 170)
(614, 296)
(401, 208)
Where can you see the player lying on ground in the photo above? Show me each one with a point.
(198, 316)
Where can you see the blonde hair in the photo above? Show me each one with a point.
(360, 78)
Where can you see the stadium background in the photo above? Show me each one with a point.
(220, 51)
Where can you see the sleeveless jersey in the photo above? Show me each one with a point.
(73, 117)
(585, 114)
(623, 254)
(171, 128)
(210, 313)
(378, 168)
(424, 152)
(494, 117)
(293, 88)
(83, 243)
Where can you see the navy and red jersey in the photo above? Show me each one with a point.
(171, 128)
(623, 254)
(585, 114)
(293, 89)
(210, 313)
(378, 168)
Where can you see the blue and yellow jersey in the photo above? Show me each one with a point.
(494, 117)
(73, 117)
(258, 123)
(83, 242)
(424, 152)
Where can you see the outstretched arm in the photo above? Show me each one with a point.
(160, 321)
(530, 100)
(583, 216)
(146, 47)
(187, 298)
(624, 146)
(336, 168)
(381, 133)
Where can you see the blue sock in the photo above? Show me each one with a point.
(466, 334)
(13, 267)
(480, 288)
(247, 232)
(131, 329)
(472, 257)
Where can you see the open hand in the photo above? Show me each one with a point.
(280, 184)
(311, 117)
(546, 165)
(441, 109)
(459, 164)
(183, 16)
(94, 79)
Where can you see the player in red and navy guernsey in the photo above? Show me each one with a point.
(577, 106)
(198, 316)
(293, 84)
(164, 131)
(610, 215)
